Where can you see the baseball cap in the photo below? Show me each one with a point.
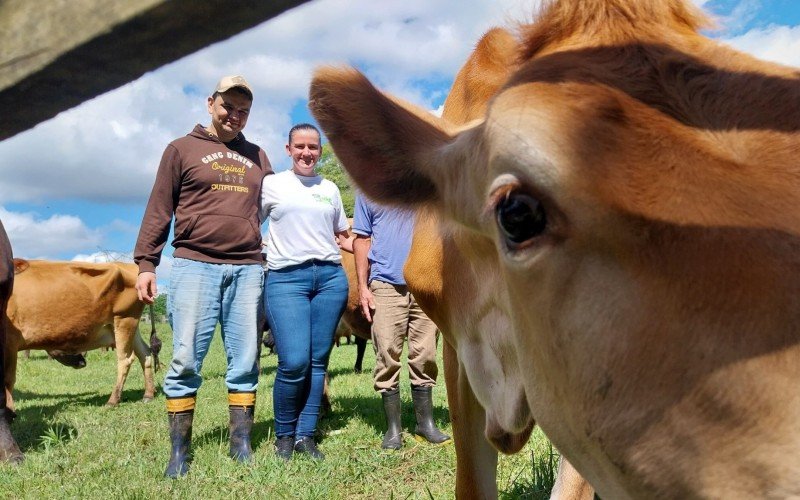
(228, 82)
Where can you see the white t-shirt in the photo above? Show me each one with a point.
(304, 215)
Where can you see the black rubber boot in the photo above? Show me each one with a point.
(393, 439)
(307, 446)
(423, 409)
(284, 447)
(241, 425)
(9, 451)
(180, 435)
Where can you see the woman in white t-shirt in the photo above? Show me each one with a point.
(305, 291)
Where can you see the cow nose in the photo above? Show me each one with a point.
(504, 441)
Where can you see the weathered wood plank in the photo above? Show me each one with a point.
(58, 53)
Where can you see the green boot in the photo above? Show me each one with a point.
(423, 409)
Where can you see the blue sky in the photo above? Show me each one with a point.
(75, 187)
(742, 16)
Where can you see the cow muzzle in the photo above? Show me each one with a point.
(505, 441)
(72, 359)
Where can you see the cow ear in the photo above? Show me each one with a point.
(20, 265)
(389, 147)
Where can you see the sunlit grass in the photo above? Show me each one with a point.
(78, 448)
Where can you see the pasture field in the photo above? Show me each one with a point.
(76, 447)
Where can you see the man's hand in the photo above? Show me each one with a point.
(367, 302)
(146, 287)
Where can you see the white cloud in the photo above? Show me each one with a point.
(779, 44)
(107, 149)
(744, 12)
(163, 271)
(98, 257)
(33, 237)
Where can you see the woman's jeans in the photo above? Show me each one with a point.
(200, 296)
(303, 304)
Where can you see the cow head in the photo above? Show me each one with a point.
(455, 281)
(633, 188)
(75, 360)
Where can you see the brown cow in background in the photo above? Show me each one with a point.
(74, 307)
(352, 318)
(9, 451)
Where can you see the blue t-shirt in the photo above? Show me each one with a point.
(390, 230)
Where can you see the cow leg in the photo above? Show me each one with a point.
(9, 451)
(145, 357)
(10, 371)
(570, 485)
(325, 404)
(124, 332)
(361, 347)
(476, 459)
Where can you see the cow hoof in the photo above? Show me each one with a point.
(9, 450)
(147, 399)
(11, 454)
(112, 404)
(13, 458)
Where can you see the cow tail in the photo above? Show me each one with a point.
(155, 342)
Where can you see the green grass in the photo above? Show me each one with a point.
(76, 447)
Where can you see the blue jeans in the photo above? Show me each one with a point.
(303, 305)
(200, 295)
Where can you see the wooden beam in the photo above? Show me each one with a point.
(57, 54)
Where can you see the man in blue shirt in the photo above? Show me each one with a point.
(382, 242)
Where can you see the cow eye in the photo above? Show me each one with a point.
(520, 218)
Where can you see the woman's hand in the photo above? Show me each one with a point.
(345, 241)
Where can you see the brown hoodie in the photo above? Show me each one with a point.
(213, 189)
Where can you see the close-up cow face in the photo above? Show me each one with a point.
(632, 204)
(465, 307)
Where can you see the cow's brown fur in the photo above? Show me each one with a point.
(6, 285)
(563, 25)
(450, 276)
(449, 289)
(452, 290)
(75, 307)
(657, 314)
(9, 450)
(352, 317)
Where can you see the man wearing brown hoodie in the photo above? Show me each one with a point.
(210, 182)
